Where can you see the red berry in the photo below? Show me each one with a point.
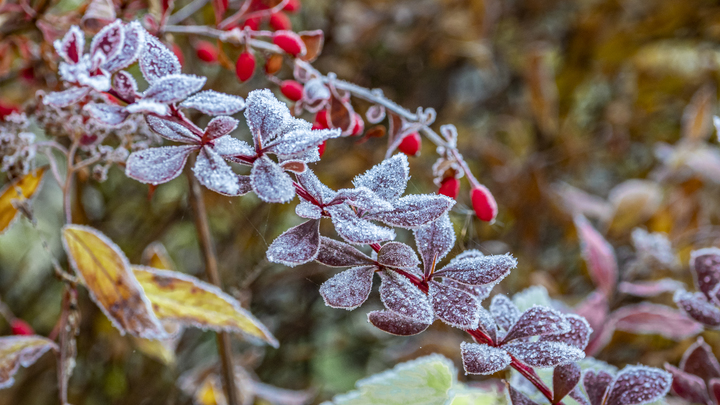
(292, 90)
(321, 118)
(206, 51)
(280, 21)
(450, 187)
(245, 66)
(20, 327)
(178, 53)
(7, 109)
(252, 23)
(289, 42)
(359, 125)
(292, 6)
(484, 203)
(321, 148)
(410, 145)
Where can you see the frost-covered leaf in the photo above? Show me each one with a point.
(133, 44)
(147, 107)
(396, 324)
(297, 245)
(434, 241)
(518, 398)
(387, 179)
(214, 173)
(157, 60)
(266, 116)
(338, 254)
(478, 270)
(655, 246)
(71, 46)
(714, 388)
(21, 189)
(636, 385)
(544, 354)
(105, 271)
(211, 102)
(125, 85)
(185, 299)
(66, 97)
(16, 351)
(300, 140)
(109, 40)
(696, 306)
(455, 307)
(565, 378)
(220, 126)
(362, 198)
(648, 318)
(415, 210)
(157, 165)
(486, 324)
(705, 265)
(173, 88)
(699, 360)
(270, 182)
(650, 288)
(107, 113)
(635, 201)
(599, 256)
(504, 311)
(596, 385)
(538, 321)
(396, 254)
(687, 386)
(171, 130)
(483, 359)
(310, 182)
(399, 295)
(356, 230)
(308, 210)
(578, 335)
(348, 289)
(228, 146)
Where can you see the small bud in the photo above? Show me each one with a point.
(20, 327)
(280, 21)
(206, 51)
(411, 144)
(245, 66)
(292, 90)
(289, 42)
(484, 203)
(450, 187)
(178, 53)
(321, 119)
(321, 148)
(292, 6)
(252, 23)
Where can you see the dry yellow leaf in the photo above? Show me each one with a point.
(210, 392)
(156, 256)
(106, 272)
(185, 299)
(16, 351)
(27, 186)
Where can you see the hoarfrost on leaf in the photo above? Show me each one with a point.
(699, 360)
(596, 385)
(415, 210)
(211, 102)
(107, 113)
(396, 324)
(71, 47)
(173, 88)
(214, 173)
(636, 385)
(125, 85)
(399, 295)
(270, 182)
(157, 165)
(310, 182)
(578, 335)
(147, 107)
(157, 60)
(66, 97)
(565, 378)
(267, 117)
(357, 230)
(171, 130)
(387, 179)
(348, 289)
(504, 311)
(478, 270)
(538, 321)
(483, 359)
(300, 140)
(109, 40)
(228, 146)
(220, 126)
(518, 398)
(307, 210)
(544, 354)
(297, 245)
(338, 254)
(434, 241)
(132, 47)
(396, 254)
(362, 198)
(705, 266)
(457, 308)
(697, 307)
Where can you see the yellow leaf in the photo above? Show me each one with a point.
(182, 298)
(156, 256)
(159, 350)
(16, 351)
(106, 273)
(210, 392)
(27, 186)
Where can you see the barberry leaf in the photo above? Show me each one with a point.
(125, 85)
(20, 189)
(171, 130)
(108, 41)
(544, 354)
(173, 88)
(565, 378)
(270, 181)
(699, 360)
(71, 46)
(483, 359)
(148, 107)
(300, 140)
(310, 182)
(599, 256)
(362, 198)
(266, 116)
(697, 307)
(228, 146)
(714, 388)
(413, 211)
(338, 254)
(596, 385)
(396, 324)
(456, 308)
(357, 230)
(211, 102)
(387, 179)
(648, 318)
(705, 266)
(308, 210)
(157, 165)
(650, 288)
(66, 97)
(214, 173)
(297, 245)
(348, 289)
(105, 271)
(687, 386)
(478, 270)
(186, 300)
(108, 114)
(480, 292)
(486, 324)
(399, 295)
(157, 60)
(133, 45)
(396, 254)
(16, 351)
(504, 311)
(578, 335)
(538, 321)
(220, 126)
(518, 398)
(434, 241)
(636, 385)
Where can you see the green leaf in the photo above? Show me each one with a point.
(463, 395)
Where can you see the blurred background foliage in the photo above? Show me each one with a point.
(545, 93)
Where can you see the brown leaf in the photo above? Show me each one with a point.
(16, 351)
(314, 41)
(697, 117)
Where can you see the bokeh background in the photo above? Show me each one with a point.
(546, 94)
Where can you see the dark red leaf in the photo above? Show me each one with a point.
(565, 378)
(396, 324)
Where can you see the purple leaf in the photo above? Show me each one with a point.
(322, 193)
(544, 354)
(636, 385)
(504, 311)
(173, 88)
(348, 289)
(596, 385)
(401, 296)
(125, 85)
(647, 318)
(599, 256)
(455, 307)
(72, 45)
(415, 210)
(109, 40)
(362, 198)
(157, 165)
(214, 173)
(650, 288)
(228, 146)
(434, 241)
(696, 306)
(297, 245)
(518, 398)
(700, 361)
(396, 324)
(705, 265)
(108, 114)
(308, 210)
(132, 47)
(480, 292)
(595, 310)
(565, 378)
(478, 270)
(266, 116)
(578, 335)
(687, 386)
(211, 102)
(387, 179)
(486, 324)
(147, 107)
(66, 97)
(300, 140)
(270, 181)
(171, 130)
(157, 60)
(220, 126)
(538, 321)
(396, 254)
(334, 253)
(483, 359)
(714, 386)
(356, 230)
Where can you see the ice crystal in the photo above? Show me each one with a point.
(396, 254)
(356, 230)
(338, 254)
(415, 210)
(157, 165)
(322, 193)
(636, 385)
(362, 198)
(399, 295)
(544, 354)
(211, 102)
(297, 245)
(173, 88)
(483, 359)
(348, 289)
(133, 44)
(212, 172)
(299, 140)
(578, 335)
(705, 265)
(455, 307)
(537, 321)
(220, 126)
(697, 307)
(504, 311)
(66, 97)
(396, 324)
(270, 181)
(157, 61)
(71, 47)
(109, 40)
(477, 270)
(228, 146)
(434, 241)
(125, 85)
(147, 107)
(171, 130)
(308, 210)
(107, 113)
(387, 179)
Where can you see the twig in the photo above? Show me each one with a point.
(187, 11)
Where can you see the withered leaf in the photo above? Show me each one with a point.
(24, 188)
(16, 351)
